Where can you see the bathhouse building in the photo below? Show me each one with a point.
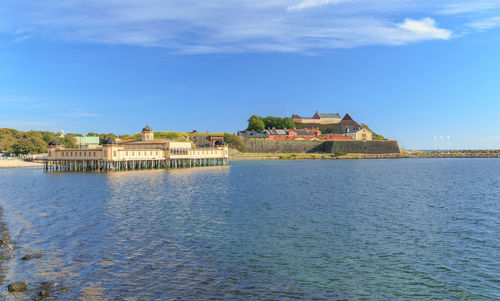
(146, 153)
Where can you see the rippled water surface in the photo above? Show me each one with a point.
(355, 230)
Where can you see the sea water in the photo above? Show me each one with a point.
(354, 230)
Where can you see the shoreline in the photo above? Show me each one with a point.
(16, 163)
(313, 156)
(6, 248)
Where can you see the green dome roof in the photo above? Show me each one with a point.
(147, 129)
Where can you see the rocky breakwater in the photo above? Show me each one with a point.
(420, 154)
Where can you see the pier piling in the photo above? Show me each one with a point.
(124, 165)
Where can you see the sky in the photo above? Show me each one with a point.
(414, 71)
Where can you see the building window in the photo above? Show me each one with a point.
(94, 154)
(114, 153)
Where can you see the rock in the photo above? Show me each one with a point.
(31, 256)
(43, 293)
(19, 286)
(45, 288)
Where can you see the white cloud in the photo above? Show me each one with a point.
(424, 29)
(487, 23)
(461, 7)
(221, 26)
(312, 3)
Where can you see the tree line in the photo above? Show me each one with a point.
(36, 142)
(258, 123)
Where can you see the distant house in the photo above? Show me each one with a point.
(346, 125)
(360, 134)
(277, 134)
(349, 124)
(303, 134)
(86, 142)
(318, 118)
(253, 134)
(281, 134)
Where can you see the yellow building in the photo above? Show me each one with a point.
(318, 118)
(136, 154)
(360, 134)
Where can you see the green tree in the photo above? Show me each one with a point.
(67, 141)
(29, 145)
(255, 123)
(234, 142)
(278, 122)
(103, 137)
(48, 136)
(288, 123)
(271, 122)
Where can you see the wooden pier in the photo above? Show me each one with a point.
(123, 165)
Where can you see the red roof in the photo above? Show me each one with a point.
(347, 120)
(330, 137)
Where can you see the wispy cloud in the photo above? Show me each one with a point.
(461, 7)
(312, 3)
(485, 24)
(220, 26)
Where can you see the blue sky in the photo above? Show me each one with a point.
(410, 70)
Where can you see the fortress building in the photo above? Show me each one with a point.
(318, 118)
(334, 125)
(146, 153)
(321, 121)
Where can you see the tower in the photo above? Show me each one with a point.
(147, 133)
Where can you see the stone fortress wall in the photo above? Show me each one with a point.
(361, 147)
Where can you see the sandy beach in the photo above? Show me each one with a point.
(16, 163)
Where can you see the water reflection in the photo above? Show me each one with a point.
(256, 230)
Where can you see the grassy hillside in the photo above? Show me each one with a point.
(375, 135)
